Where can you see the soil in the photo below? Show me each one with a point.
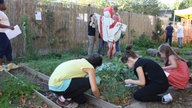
(44, 86)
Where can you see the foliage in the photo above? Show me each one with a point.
(143, 42)
(185, 4)
(151, 7)
(164, 7)
(47, 63)
(112, 77)
(159, 31)
(13, 89)
(146, 6)
(24, 22)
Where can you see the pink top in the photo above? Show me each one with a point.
(179, 77)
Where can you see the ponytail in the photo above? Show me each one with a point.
(128, 53)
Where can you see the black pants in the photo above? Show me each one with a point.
(150, 93)
(170, 40)
(76, 90)
(5, 47)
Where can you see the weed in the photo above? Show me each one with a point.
(13, 89)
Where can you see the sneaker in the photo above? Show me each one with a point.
(167, 98)
(62, 99)
(11, 66)
(1, 68)
(67, 104)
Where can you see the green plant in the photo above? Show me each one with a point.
(13, 89)
(27, 32)
(133, 33)
(112, 86)
(53, 41)
(143, 42)
(159, 31)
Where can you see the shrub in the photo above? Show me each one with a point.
(143, 42)
(112, 82)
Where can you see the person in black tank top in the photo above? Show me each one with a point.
(91, 34)
(151, 78)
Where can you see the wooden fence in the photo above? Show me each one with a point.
(63, 27)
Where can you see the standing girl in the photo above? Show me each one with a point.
(91, 34)
(175, 66)
(151, 78)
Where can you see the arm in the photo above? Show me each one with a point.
(141, 81)
(173, 62)
(4, 26)
(92, 80)
(92, 23)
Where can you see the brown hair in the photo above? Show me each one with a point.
(165, 48)
(128, 53)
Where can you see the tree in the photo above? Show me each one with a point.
(163, 6)
(185, 4)
(146, 6)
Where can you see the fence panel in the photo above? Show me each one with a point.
(64, 27)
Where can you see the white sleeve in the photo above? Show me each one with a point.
(1, 16)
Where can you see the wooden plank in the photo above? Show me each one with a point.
(48, 101)
(91, 99)
(44, 98)
(100, 103)
(33, 72)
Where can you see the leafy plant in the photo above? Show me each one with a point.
(13, 90)
(159, 31)
(143, 42)
(112, 82)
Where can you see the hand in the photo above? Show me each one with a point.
(92, 19)
(128, 81)
(11, 27)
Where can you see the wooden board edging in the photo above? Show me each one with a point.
(44, 98)
(91, 99)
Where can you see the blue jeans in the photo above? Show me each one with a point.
(5, 47)
(180, 43)
(118, 46)
(170, 40)
(102, 47)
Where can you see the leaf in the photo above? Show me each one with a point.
(22, 101)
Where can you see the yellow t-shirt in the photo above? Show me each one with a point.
(60, 78)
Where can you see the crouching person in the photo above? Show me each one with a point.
(151, 78)
(69, 83)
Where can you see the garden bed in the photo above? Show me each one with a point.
(15, 93)
(41, 80)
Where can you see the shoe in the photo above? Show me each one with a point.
(62, 99)
(11, 66)
(67, 104)
(1, 68)
(167, 98)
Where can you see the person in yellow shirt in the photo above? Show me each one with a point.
(69, 81)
